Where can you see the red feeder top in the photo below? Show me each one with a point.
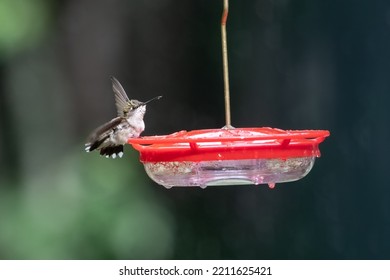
(229, 144)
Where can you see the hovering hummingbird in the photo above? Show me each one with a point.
(111, 136)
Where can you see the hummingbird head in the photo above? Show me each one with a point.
(134, 104)
(136, 107)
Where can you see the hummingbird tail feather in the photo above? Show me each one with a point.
(112, 151)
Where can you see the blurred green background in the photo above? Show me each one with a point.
(304, 64)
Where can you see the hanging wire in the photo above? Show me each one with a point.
(225, 64)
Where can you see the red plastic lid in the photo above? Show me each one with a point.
(229, 144)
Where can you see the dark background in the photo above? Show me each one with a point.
(294, 64)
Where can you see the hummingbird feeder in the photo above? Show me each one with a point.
(229, 156)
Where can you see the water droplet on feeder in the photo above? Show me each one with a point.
(271, 185)
(258, 180)
(203, 186)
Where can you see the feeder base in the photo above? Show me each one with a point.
(236, 156)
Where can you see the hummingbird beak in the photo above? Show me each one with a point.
(154, 98)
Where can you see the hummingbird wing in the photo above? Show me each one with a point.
(121, 99)
(100, 134)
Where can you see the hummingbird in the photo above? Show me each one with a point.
(110, 137)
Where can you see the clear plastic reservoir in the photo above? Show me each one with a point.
(228, 172)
